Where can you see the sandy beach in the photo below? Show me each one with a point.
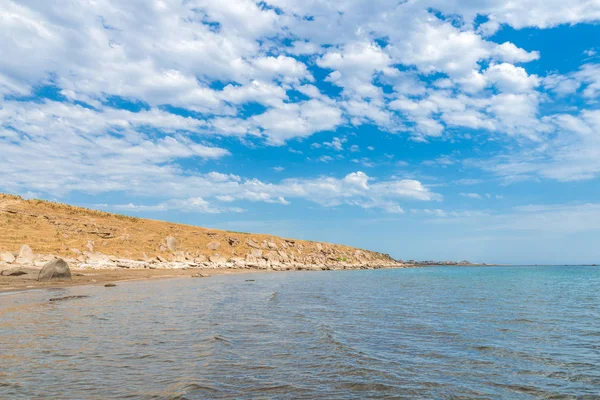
(102, 277)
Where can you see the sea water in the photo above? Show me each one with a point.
(434, 333)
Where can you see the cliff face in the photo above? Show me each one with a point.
(95, 239)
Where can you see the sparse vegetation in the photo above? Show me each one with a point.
(61, 229)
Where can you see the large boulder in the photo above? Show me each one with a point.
(55, 270)
(26, 255)
(171, 243)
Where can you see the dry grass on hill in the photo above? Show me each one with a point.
(64, 230)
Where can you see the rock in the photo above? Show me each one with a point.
(252, 243)
(213, 245)
(55, 269)
(272, 245)
(13, 272)
(76, 251)
(233, 241)
(161, 259)
(179, 256)
(110, 285)
(162, 247)
(90, 245)
(271, 256)
(200, 258)
(256, 253)
(26, 255)
(7, 257)
(171, 243)
(199, 275)
(23, 272)
(25, 251)
(319, 247)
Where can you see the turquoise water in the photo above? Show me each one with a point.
(437, 332)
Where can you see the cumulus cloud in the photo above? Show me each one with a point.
(195, 71)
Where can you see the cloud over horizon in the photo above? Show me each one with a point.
(217, 108)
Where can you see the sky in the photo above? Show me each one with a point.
(430, 129)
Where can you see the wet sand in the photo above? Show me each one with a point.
(102, 277)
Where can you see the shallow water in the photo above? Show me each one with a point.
(439, 332)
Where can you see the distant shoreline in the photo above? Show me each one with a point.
(99, 277)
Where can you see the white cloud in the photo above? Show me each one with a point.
(297, 120)
(508, 52)
(475, 196)
(234, 67)
(508, 78)
(571, 154)
(336, 144)
(195, 204)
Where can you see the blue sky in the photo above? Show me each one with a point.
(424, 129)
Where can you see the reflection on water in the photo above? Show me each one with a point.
(443, 332)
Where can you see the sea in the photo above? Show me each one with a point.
(509, 332)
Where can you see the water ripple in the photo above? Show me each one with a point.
(452, 333)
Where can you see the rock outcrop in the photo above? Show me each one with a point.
(56, 269)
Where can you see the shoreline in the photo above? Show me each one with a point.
(100, 277)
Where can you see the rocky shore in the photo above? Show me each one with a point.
(26, 269)
(264, 256)
(33, 233)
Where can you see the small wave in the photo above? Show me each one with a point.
(221, 339)
(367, 386)
(68, 298)
(484, 348)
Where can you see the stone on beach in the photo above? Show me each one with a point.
(23, 272)
(7, 257)
(13, 272)
(26, 255)
(55, 270)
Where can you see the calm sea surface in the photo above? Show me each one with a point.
(435, 333)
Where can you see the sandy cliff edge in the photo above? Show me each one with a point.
(32, 232)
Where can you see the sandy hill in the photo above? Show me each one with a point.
(88, 235)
